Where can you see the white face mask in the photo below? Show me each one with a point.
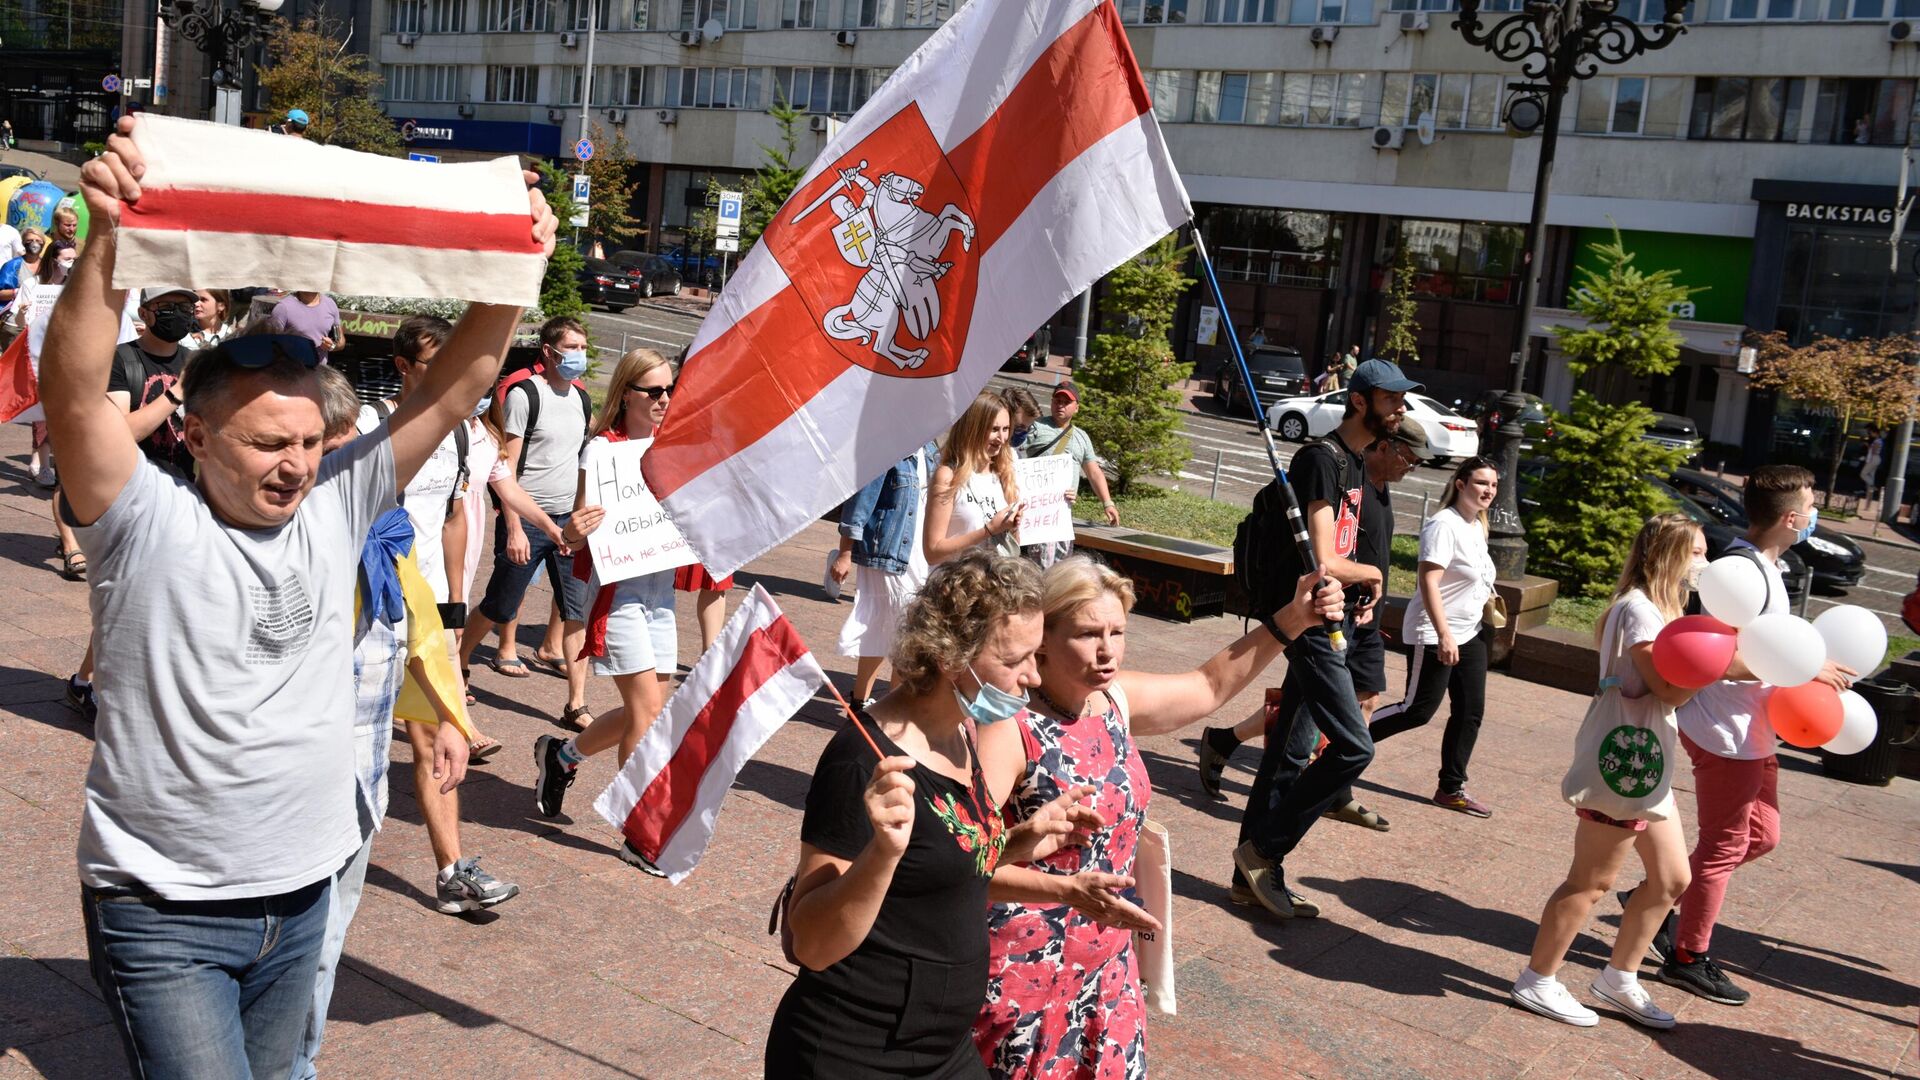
(1694, 570)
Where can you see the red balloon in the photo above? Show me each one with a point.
(1807, 715)
(1694, 651)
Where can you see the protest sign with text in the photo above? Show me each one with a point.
(1048, 484)
(636, 537)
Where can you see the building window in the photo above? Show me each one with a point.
(426, 82)
(1834, 281)
(833, 91)
(1457, 100)
(924, 13)
(1277, 247)
(1882, 9)
(606, 90)
(800, 14)
(1863, 112)
(578, 12)
(1239, 11)
(404, 17)
(1153, 12)
(1756, 10)
(509, 16)
(1457, 260)
(1221, 97)
(446, 16)
(1612, 106)
(513, 84)
(1760, 109)
(638, 17)
(732, 14)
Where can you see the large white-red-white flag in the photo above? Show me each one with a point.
(1006, 166)
(223, 206)
(754, 678)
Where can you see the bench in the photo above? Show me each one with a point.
(1172, 578)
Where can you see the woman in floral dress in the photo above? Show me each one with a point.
(1063, 994)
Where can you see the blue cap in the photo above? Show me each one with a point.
(1381, 375)
(298, 116)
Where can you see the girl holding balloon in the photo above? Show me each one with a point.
(1665, 558)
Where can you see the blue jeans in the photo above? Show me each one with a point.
(341, 904)
(508, 585)
(1286, 799)
(207, 989)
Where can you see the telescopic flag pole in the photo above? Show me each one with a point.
(1295, 519)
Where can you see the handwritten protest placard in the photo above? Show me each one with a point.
(636, 537)
(1047, 485)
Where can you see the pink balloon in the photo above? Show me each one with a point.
(1806, 715)
(1694, 651)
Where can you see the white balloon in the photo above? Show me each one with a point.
(1733, 590)
(1855, 637)
(1858, 725)
(1782, 649)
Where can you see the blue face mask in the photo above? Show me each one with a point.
(485, 404)
(1806, 531)
(573, 364)
(991, 704)
(1020, 436)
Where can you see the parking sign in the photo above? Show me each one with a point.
(729, 209)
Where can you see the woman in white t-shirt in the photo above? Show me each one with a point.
(1444, 625)
(973, 499)
(1665, 561)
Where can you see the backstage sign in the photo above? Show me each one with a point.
(1840, 215)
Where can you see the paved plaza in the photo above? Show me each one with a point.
(597, 970)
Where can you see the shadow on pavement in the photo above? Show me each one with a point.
(1911, 873)
(783, 785)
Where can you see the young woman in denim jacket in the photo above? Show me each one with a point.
(880, 534)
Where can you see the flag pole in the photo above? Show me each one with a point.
(851, 715)
(1294, 518)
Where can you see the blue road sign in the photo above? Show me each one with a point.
(110, 84)
(583, 150)
(729, 208)
(411, 156)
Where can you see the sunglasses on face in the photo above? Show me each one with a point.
(261, 350)
(654, 392)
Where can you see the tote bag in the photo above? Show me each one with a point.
(1623, 755)
(1153, 949)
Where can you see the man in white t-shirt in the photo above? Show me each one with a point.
(1727, 736)
(221, 796)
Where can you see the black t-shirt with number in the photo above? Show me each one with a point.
(167, 445)
(904, 1001)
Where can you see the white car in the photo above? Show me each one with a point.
(1301, 418)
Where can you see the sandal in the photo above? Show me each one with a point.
(512, 667)
(571, 717)
(548, 666)
(466, 680)
(481, 749)
(73, 565)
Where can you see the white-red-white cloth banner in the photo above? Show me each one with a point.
(223, 206)
(1006, 166)
(755, 677)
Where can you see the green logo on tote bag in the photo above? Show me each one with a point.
(1631, 761)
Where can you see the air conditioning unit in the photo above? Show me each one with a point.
(616, 116)
(1388, 138)
(819, 124)
(1323, 35)
(1414, 22)
(466, 110)
(408, 41)
(1903, 31)
(848, 38)
(689, 38)
(569, 40)
(669, 116)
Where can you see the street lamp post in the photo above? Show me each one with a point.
(218, 32)
(1554, 42)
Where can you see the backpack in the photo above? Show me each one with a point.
(133, 371)
(1266, 563)
(523, 377)
(384, 409)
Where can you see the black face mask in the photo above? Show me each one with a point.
(172, 323)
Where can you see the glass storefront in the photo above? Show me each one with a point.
(1837, 281)
(1456, 260)
(1275, 247)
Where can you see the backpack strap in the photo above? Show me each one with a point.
(533, 420)
(1741, 546)
(132, 372)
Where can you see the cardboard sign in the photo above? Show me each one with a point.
(1048, 484)
(636, 537)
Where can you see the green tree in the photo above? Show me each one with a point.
(308, 67)
(1595, 496)
(610, 188)
(1402, 345)
(1870, 379)
(1129, 407)
(560, 288)
(1629, 315)
(773, 183)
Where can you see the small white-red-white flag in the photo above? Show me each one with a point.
(1006, 166)
(754, 678)
(222, 206)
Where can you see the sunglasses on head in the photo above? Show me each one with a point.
(261, 350)
(654, 392)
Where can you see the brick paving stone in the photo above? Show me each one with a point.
(598, 970)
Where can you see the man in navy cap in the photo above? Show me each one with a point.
(1325, 685)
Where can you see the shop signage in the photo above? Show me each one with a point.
(1840, 215)
(413, 129)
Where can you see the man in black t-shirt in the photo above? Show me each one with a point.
(1330, 478)
(146, 371)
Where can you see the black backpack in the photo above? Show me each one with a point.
(533, 416)
(1266, 562)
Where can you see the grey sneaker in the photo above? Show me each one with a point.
(471, 888)
(1353, 813)
(1267, 882)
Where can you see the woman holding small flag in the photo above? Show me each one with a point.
(973, 500)
(1063, 994)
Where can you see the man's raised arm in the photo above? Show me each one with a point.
(465, 368)
(97, 452)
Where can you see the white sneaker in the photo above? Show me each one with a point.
(1635, 1003)
(1552, 1000)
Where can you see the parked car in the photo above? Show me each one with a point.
(1674, 433)
(1278, 371)
(1298, 419)
(8, 172)
(1536, 418)
(615, 288)
(1837, 562)
(703, 270)
(1720, 535)
(1023, 357)
(657, 276)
